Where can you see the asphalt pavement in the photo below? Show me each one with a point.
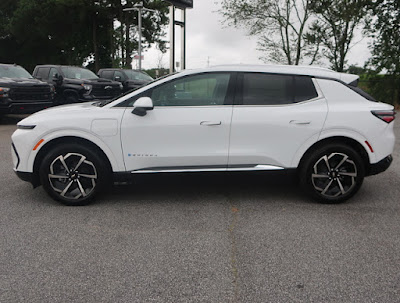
(199, 238)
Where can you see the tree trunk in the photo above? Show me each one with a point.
(121, 29)
(128, 54)
(95, 48)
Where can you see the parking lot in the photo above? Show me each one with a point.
(199, 238)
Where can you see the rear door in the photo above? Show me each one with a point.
(273, 116)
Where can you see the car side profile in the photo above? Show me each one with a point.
(75, 84)
(130, 78)
(220, 119)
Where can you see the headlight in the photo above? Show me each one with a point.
(4, 92)
(26, 126)
(87, 87)
(121, 86)
(52, 88)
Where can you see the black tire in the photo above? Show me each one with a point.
(71, 99)
(80, 183)
(328, 176)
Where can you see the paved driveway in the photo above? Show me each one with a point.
(199, 239)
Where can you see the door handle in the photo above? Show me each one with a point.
(210, 123)
(299, 122)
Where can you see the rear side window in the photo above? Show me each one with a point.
(270, 89)
(108, 74)
(43, 73)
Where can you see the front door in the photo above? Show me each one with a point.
(187, 130)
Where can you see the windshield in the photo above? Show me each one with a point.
(77, 73)
(134, 75)
(11, 71)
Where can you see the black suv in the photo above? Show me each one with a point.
(76, 84)
(130, 78)
(22, 94)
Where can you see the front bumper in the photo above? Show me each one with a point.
(381, 166)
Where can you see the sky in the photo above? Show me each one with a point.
(209, 42)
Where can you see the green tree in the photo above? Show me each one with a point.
(73, 32)
(281, 27)
(386, 47)
(335, 26)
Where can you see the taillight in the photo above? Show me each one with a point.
(385, 115)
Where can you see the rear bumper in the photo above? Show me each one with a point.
(381, 166)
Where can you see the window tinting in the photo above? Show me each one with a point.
(199, 90)
(264, 89)
(304, 89)
(108, 74)
(120, 75)
(43, 73)
(53, 73)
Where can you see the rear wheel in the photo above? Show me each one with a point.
(73, 174)
(332, 173)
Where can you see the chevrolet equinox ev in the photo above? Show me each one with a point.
(225, 118)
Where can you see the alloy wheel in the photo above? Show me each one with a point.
(72, 176)
(334, 175)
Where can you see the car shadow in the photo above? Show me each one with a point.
(238, 185)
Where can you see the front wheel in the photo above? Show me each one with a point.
(332, 173)
(73, 174)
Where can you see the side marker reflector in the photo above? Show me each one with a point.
(38, 144)
(370, 147)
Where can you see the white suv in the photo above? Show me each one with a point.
(226, 118)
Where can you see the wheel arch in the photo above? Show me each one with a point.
(355, 144)
(63, 140)
(70, 92)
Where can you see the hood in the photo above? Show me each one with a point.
(12, 82)
(97, 81)
(53, 112)
(136, 82)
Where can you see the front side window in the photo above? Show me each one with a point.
(199, 90)
(120, 75)
(271, 89)
(53, 73)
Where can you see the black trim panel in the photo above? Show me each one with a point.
(16, 153)
(381, 166)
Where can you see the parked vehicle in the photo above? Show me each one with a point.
(20, 93)
(228, 118)
(130, 78)
(76, 84)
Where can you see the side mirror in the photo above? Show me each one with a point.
(117, 78)
(58, 78)
(142, 105)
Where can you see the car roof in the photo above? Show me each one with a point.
(7, 64)
(313, 71)
(55, 65)
(120, 69)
